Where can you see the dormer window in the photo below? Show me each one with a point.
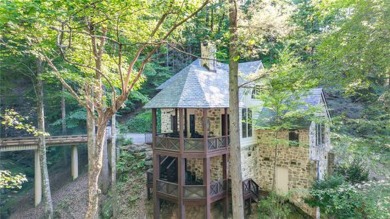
(256, 92)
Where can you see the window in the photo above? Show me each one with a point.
(174, 123)
(320, 134)
(246, 123)
(293, 138)
(256, 92)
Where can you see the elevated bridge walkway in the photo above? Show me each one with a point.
(32, 143)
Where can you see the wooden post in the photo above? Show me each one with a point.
(206, 165)
(225, 178)
(225, 173)
(181, 165)
(37, 178)
(74, 162)
(187, 123)
(156, 166)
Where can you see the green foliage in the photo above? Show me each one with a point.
(339, 199)
(130, 164)
(9, 181)
(335, 197)
(141, 123)
(12, 119)
(124, 141)
(355, 172)
(274, 206)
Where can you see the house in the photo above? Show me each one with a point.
(289, 161)
(191, 141)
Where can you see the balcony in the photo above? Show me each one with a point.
(192, 145)
(191, 192)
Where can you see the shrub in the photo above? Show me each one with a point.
(274, 206)
(130, 163)
(355, 172)
(141, 123)
(339, 199)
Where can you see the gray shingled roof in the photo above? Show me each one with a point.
(196, 87)
(312, 98)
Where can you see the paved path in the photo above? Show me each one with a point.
(138, 138)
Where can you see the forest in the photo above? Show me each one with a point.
(78, 67)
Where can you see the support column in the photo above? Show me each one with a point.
(226, 184)
(156, 167)
(181, 167)
(75, 162)
(206, 165)
(225, 173)
(37, 178)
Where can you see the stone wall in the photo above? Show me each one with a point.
(196, 166)
(166, 126)
(213, 117)
(214, 121)
(301, 169)
(249, 162)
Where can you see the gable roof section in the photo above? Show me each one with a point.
(313, 98)
(196, 87)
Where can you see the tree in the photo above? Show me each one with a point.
(235, 153)
(106, 46)
(352, 58)
(42, 141)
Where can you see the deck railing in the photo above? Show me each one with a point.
(194, 191)
(217, 187)
(190, 191)
(191, 144)
(250, 188)
(168, 188)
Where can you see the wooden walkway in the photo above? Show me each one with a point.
(31, 143)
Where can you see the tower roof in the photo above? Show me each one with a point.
(197, 87)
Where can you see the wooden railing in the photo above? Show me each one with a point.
(191, 144)
(217, 187)
(167, 188)
(250, 188)
(167, 143)
(190, 191)
(194, 191)
(216, 143)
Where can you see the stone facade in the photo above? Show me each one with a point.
(196, 166)
(166, 124)
(301, 170)
(213, 120)
(304, 162)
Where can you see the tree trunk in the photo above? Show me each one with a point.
(235, 152)
(104, 175)
(95, 164)
(63, 123)
(275, 162)
(113, 166)
(42, 144)
(63, 112)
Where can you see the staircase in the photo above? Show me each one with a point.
(168, 172)
(251, 193)
(168, 169)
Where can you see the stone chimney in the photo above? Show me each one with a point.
(208, 55)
